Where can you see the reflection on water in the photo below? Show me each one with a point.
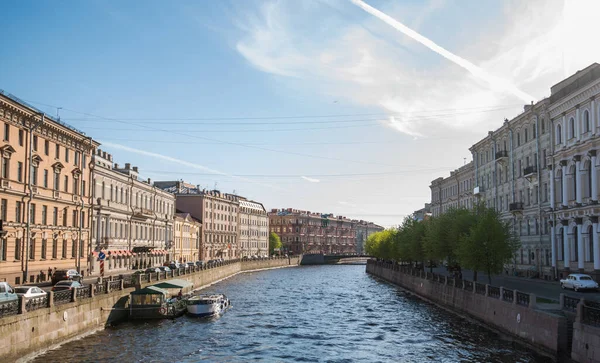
(305, 314)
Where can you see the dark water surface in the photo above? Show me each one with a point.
(304, 314)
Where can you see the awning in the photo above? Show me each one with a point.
(150, 290)
(173, 284)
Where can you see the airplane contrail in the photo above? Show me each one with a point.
(183, 162)
(494, 81)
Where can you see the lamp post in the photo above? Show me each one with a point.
(32, 128)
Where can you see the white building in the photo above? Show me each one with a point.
(254, 228)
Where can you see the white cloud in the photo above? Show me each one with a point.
(312, 180)
(361, 61)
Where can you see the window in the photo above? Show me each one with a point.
(64, 217)
(3, 209)
(54, 248)
(558, 134)
(571, 127)
(74, 219)
(586, 121)
(83, 162)
(17, 248)
(56, 180)
(66, 155)
(6, 132)
(543, 126)
(3, 249)
(32, 248)
(45, 178)
(545, 192)
(526, 136)
(44, 247)
(83, 187)
(64, 248)
(518, 139)
(21, 137)
(35, 143)
(77, 154)
(533, 132)
(18, 211)
(66, 183)
(5, 168)
(32, 213)
(102, 191)
(34, 175)
(80, 248)
(19, 171)
(44, 214)
(57, 152)
(46, 147)
(75, 185)
(55, 217)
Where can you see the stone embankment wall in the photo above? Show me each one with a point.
(586, 333)
(34, 331)
(517, 316)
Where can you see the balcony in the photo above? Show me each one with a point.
(76, 198)
(530, 173)
(56, 194)
(502, 157)
(5, 184)
(477, 191)
(516, 208)
(143, 213)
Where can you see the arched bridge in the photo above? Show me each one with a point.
(321, 259)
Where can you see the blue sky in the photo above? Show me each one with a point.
(202, 83)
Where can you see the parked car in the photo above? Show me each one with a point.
(164, 268)
(200, 263)
(70, 274)
(191, 264)
(174, 265)
(7, 293)
(30, 292)
(66, 285)
(579, 282)
(152, 270)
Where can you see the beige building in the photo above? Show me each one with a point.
(254, 228)
(363, 229)
(455, 191)
(218, 213)
(132, 219)
(44, 205)
(186, 244)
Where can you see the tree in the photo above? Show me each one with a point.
(274, 242)
(489, 245)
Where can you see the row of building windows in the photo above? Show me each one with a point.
(43, 249)
(121, 195)
(33, 216)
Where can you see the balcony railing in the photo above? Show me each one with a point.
(513, 207)
(501, 154)
(530, 170)
(143, 212)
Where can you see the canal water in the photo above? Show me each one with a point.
(305, 314)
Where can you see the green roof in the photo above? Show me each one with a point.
(150, 290)
(173, 284)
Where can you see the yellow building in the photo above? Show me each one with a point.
(44, 193)
(187, 244)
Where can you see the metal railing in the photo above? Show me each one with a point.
(508, 295)
(62, 297)
(522, 298)
(83, 292)
(570, 303)
(591, 315)
(494, 292)
(144, 277)
(36, 303)
(480, 288)
(128, 281)
(114, 285)
(468, 285)
(99, 288)
(8, 308)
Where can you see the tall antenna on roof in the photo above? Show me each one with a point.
(58, 113)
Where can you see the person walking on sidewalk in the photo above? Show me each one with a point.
(49, 273)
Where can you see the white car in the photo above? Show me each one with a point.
(579, 282)
(30, 292)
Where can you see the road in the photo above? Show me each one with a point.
(541, 288)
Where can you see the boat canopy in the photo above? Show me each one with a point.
(150, 290)
(173, 284)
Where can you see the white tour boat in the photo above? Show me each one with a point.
(207, 305)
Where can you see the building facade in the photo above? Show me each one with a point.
(132, 220)
(254, 228)
(218, 213)
(540, 171)
(187, 246)
(423, 213)
(455, 191)
(363, 230)
(306, 232)
(44, 193)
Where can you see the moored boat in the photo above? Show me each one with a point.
(207, 305)
(159, 301)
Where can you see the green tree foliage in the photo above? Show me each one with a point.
(475, 239)
(489, 245)
(274, 242)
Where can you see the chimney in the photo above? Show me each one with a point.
(116, 166)
(135, 168)
(104, 154)
(127, 166)
(149, 181)
(110, 158)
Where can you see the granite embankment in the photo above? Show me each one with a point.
(30, 327)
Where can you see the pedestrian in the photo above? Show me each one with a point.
(180, 295)
(49, 273)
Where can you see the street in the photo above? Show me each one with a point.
(541, 288)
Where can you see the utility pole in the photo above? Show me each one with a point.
(32, 127)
